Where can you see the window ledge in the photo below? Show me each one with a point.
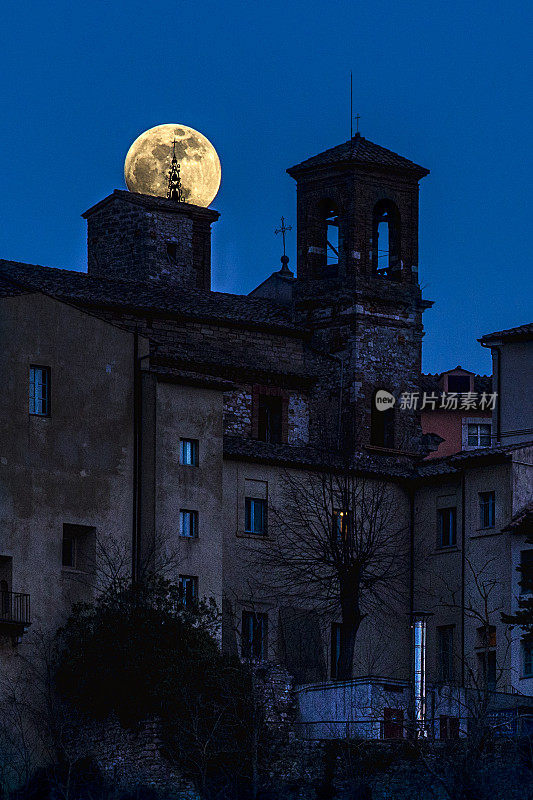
(452, 549)
(75, 571)
(246, 535)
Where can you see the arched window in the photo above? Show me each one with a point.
(327, 239)
(381, 421)
(332, 235)
(386, 240)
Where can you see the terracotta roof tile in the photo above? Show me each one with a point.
(95, 291)
(359, 150)
(522, 332)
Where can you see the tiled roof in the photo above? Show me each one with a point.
(430, 383)
(453, 463)
(239, 448)
(9, 289)
(226, 363)
(190, 378)
(86, 290)
(359, 150)
(522, 521)
(522, 332)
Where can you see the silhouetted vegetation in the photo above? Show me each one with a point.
(140, 653)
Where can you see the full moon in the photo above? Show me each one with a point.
(147, 164)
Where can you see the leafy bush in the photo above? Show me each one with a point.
(138, 652)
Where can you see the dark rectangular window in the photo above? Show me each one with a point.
(255, 516)
(381, 424)
(270, 418)
(459, 383)
(254, 635)
(189, 452)
(445, 666)
(40, 391)
(449, 727)
(188, 523)
(336, 639)
(69, 549)
(527, 655)
(479, 434)
(188, 589)
(487, 509)
(78, 548)
(447, 525)
(526, 571)
(487, 668)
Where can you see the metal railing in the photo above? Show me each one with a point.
(14, 608)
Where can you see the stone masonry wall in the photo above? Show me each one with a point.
(238, 406)
(129, 759)
(150, 239)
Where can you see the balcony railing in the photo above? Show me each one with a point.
(14, 609)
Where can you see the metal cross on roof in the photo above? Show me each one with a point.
(175, 191)
(283, 230)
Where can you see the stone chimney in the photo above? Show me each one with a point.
(145, 238)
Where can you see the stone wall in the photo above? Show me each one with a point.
(144, 238)
(355, 770)
(129, 758)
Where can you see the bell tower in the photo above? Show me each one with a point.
(357, 280)
(357, 213)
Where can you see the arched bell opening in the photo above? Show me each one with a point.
(386, 256)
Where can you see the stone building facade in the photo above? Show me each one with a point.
(154, 420)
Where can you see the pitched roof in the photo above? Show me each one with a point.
(93, 291)
(453, 463)
(522, 521)
(430, 383)
(359, 150)
(238, 448)
(520, 333)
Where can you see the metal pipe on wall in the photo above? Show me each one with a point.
(419, 673)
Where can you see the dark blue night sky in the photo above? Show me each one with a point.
(447, 84)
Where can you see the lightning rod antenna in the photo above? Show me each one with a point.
(351, 104)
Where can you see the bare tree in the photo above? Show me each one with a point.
(466, 768)
(339, 548)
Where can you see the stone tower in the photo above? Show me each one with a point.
(357, 281)
(145, 238)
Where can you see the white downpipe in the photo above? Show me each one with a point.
(419, 627)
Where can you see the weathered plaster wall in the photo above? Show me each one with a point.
(74, 466)
(191, 413)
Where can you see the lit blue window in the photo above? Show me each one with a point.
(255, 516)
(189, 452)
(188, 523)
(188, 588)
(447, 527)
(40, 391)
(254, 635)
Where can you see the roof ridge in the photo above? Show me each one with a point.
(265, 301)
(358, 149)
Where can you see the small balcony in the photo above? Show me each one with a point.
(14, 614)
